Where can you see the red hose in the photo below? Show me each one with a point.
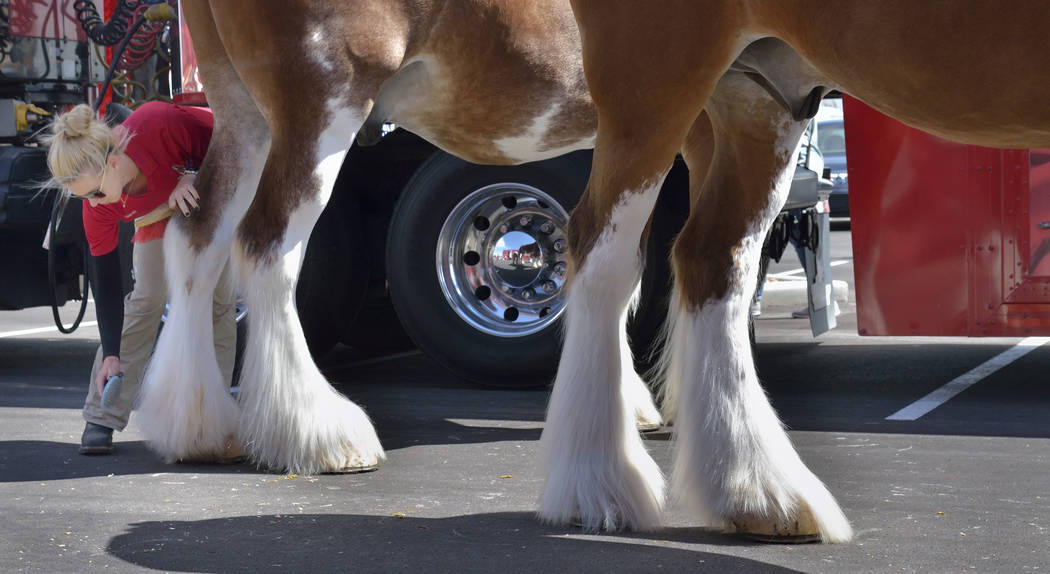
(140, 48)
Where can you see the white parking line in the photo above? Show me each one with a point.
(801, 271)
(40, 330)
(964, 381)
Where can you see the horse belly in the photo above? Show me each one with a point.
(974, 74)
(554, 132)
(502, 124)
(498, 82)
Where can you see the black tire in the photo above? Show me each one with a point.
(428, 200)
(645, 328)
(334, 275)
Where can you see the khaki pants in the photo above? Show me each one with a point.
(143, 309)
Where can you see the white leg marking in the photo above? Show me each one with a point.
(734, 460)
(293, 419)
(635, 392)
(185, 411)
(597, 468)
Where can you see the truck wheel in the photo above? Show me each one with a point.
(476, 264)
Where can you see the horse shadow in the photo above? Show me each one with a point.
(421, 407)
(41, 461)
(494, 542)
(440, 431)
(416, 402)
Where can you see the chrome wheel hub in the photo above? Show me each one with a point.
(501, 259)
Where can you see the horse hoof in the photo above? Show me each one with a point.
(231, 453)
(616, 526)
(775, 530)
(218, 459)
(353, 469)
(354, 463)
(782, 538)
(648, 427)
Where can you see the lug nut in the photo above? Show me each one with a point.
(528, 294)
(559, 245)
(525, 220)
(550, 286)
(547, 227)
(559, 269)
(503, 229)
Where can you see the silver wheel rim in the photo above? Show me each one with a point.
(501, 259)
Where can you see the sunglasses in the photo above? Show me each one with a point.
(98, 192)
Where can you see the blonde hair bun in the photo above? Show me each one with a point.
(80, 144)
(75, 123)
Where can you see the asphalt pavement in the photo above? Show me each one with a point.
(964, 488)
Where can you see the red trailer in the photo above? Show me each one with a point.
(948, 239)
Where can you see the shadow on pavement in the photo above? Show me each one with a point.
(410, 399)
(45, 374)
(414, 401)
(395, 434)
(37, 461)
(498, 542)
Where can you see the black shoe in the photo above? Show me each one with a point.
(96, 439)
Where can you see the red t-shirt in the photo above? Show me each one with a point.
(163, 135)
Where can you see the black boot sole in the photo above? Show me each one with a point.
(96, 450)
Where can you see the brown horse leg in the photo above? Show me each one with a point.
(736, 466)
(598, 471)
(186, 412)
(292, 419)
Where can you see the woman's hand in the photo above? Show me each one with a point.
(184, 197)
(110, 368)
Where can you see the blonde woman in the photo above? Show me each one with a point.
(141, 171)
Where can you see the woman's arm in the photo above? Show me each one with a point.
(107, 285)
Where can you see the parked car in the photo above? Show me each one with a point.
(831, 139)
